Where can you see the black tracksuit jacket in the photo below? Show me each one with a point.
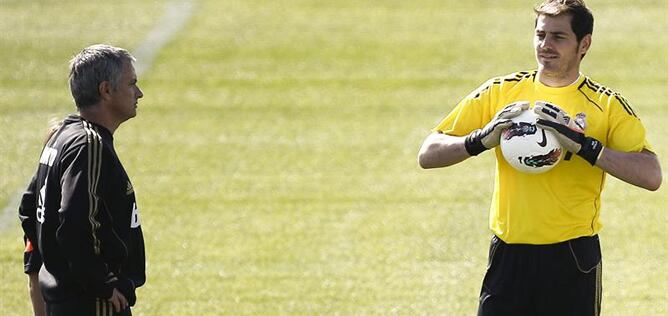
(80, 207)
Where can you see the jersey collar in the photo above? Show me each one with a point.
(559, 90)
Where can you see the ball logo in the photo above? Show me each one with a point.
(549, 159)
(529, 148)
(543, 142)
(519, 129)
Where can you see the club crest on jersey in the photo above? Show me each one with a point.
(519, 129)
(581, 120)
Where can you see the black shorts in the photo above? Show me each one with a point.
(84, 307)
(556, 279)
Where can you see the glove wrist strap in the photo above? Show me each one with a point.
(591, 150)
(473, 143)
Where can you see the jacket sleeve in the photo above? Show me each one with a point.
(28, 211)
(32, 260)
(136, 265)
(134, 270)
(81, 219)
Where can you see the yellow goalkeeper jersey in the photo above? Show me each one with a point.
(564, 202)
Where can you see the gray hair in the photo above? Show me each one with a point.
(93, 65)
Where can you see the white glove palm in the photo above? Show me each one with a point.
(490, 136)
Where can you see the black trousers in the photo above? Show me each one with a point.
(543, 280)
(84, 307)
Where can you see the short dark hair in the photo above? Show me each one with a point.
(93, 65)
(582, 21)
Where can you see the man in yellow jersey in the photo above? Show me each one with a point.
(545, 257)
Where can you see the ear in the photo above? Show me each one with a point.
(585, 43)
(104, 88)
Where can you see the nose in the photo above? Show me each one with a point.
(139, 93)
(544, 43)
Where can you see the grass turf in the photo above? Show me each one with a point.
(274, 151)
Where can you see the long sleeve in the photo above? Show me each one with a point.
(28, 211)
(135, 268)
(81, 219)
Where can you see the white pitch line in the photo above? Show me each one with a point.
(177, 13)
(175, 17)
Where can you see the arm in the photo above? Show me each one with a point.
(638, 168)
(136, 266)
(134, 269)
(32, 262)
(641, 169)
(28, 211)
(441, 150)
(38, 307)
(81, 220)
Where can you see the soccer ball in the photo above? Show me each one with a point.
(529, 148)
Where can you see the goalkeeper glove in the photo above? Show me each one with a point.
(570, 135)
(490, 136)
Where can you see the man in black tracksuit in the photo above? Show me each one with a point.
(80, 206)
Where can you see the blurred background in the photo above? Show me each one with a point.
(274, 151)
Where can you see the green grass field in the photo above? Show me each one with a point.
(274, 153)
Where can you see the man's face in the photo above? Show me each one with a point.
(126, 95)
(558, 52)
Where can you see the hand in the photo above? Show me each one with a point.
(490, 136)
(118, 301)
(127, 287)
(570, 135)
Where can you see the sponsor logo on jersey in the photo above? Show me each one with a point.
(134, 221)
(40, 202)
(48, 156)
